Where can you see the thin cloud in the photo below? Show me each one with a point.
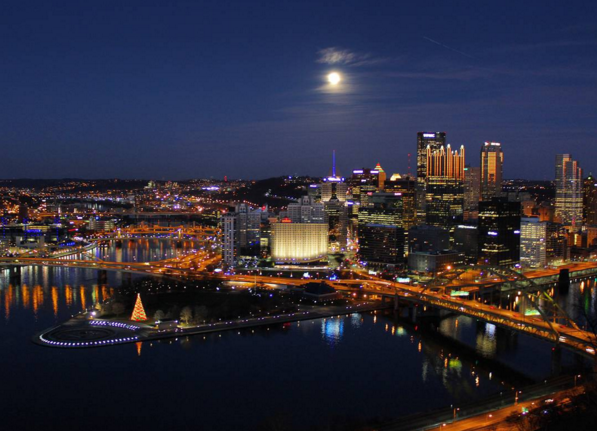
(333, 55)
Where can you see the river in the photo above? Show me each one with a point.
(305, 375)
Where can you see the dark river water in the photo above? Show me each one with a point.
(305, 376)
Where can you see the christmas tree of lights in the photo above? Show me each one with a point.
(139, 312)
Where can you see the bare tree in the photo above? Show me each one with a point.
(159, 315)
(186, 315)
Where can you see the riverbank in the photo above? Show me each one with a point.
(82, 332)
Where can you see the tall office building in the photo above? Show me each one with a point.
(242, 232)
(557, 249)
(569, 197)
(333, 196)
(337, 216)
(362, 183)
(499, 232)
(381, 176)
(444, 186)
(333, 185)
(381, 244)
(533, 242)
(492, 165)
(405, 187)
(381, 230)
(432, 141)
(472, 192)
(229, 249)
(589, 200)
(248, 225)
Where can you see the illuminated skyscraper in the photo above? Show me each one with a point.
(432, 141)
(533, 242)
(333, 196)
(444, 188)
(362, 183)
(492, 164)
(381, 176)
(405, 187)
(569, 196)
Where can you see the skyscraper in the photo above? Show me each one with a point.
(589, 200)
(362, 183)
(230, 245)
(444, 192)
(434, 141)
(533, 242)
(381, 176)
(333, 196)
(499, 232)
(492, 161)
(333, 185)
(569, 197)
(405, 187)
(472, 192)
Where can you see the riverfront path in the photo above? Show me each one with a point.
(83, 332)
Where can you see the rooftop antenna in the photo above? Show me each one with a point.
(334, 163)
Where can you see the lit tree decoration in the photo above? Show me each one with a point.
(138, 313)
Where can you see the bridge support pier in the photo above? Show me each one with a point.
(102, 277)
(14, 274)
(564, 281)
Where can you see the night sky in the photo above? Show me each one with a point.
(175, 89)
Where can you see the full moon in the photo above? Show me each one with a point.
(334, 78)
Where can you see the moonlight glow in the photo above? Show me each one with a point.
(334, 78)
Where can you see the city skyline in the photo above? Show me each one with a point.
(147, 91)
(244, 200)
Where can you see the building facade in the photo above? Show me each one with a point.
(432, 141)
(444, 188)
(499, 232)
(533, 242)
(589, 200)
(492, 165)
(297, 243)
(569, 197)
(472, 192)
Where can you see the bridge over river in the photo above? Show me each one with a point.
(549, 322)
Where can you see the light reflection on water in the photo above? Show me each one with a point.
(332, 329)
(392, 353)
(67, 291)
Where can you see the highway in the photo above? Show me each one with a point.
(194, 265)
